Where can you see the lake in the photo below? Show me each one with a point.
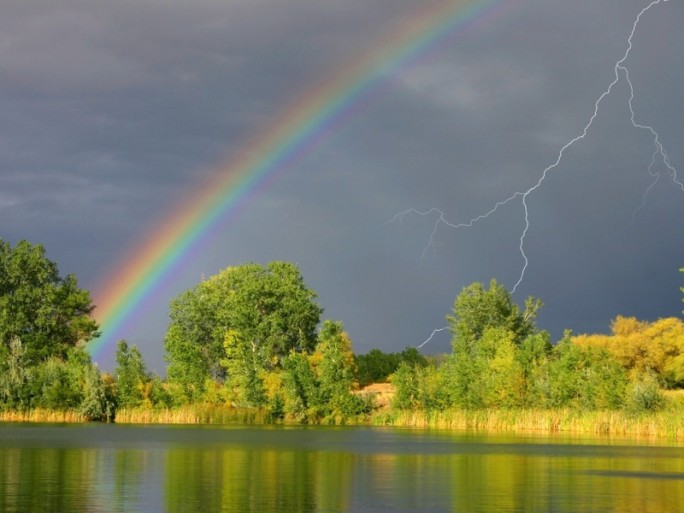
(112, 468)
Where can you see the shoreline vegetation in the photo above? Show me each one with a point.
(665, 424)
(248, 346)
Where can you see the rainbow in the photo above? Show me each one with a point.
(297, 131)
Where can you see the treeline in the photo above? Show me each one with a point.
(379, 367)
(252, 338)
(500, 360)
(249, 337)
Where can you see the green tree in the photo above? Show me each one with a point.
(318, 387)
(406, 383)
(245, 362)
(71, 383)
(586, 377)
(131, 375)
(476, 309)
(489, 330)
(336, 369)
(301, 398)
(533, 356)
(377, 367)
(268, 309)
(96, 404)
(14, 376)
(433, 387)
(48, 313)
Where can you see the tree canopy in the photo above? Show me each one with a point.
(266, 310)
(644, 347)
(47, 313)
(477, 309)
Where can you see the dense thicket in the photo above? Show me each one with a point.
(501, 360)
(45, 321)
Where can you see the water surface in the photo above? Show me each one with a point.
(110, 468)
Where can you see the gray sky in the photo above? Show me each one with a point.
(114, 112)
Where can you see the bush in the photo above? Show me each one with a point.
(645, 395)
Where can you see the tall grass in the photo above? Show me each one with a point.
(665, 424)
(41, 415)
(192, 414)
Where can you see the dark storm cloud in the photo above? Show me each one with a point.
(112, 112)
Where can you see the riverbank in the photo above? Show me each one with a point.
(664, 424)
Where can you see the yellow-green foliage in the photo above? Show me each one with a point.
(643, 347)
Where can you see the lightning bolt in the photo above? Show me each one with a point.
(434, 332)
(659, 155)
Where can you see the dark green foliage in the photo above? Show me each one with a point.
(377, 367)
(48, 313)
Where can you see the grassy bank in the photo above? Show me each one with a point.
(664, 424)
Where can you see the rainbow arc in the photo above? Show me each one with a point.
(298, 130)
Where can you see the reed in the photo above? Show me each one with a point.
(192, 414)
(41, 415)
(663, 424)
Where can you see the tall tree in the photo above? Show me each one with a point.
(334, 361)
(48, 313)
(476, 309)
(268, 310)
(131, 375)
(489, 329)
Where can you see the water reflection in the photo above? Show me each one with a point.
(172, 469)
(253, 479)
